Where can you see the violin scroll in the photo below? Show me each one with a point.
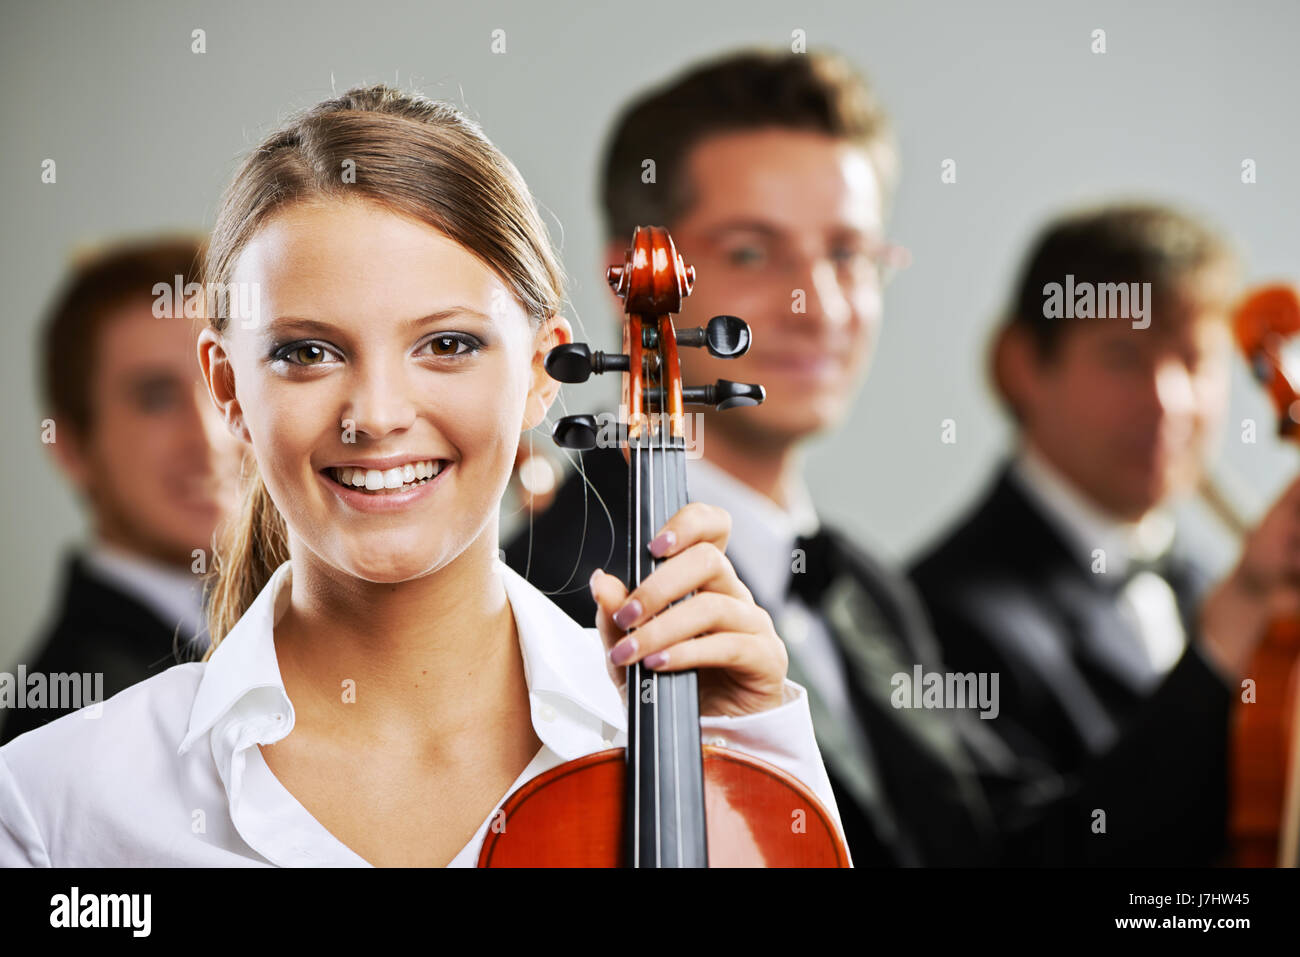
(1264, 324)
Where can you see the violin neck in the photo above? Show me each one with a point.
(665, 784)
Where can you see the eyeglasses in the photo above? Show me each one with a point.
(776, 261)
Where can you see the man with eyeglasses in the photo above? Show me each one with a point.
(772, 171)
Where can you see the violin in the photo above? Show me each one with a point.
(1264, 810)
(665, 800)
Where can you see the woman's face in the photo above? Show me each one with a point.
(383, 353)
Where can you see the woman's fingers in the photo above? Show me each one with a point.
(610, 594)
(752, 671)
(700, 568)
(740, 654)
(690, 548)
(698, 615)
(692, 523)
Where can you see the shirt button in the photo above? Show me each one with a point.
(718, 742)
(548, 713)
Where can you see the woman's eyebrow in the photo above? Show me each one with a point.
(299, 324)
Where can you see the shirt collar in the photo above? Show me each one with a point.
(762, 533)
(576, 706)
(1086, 526)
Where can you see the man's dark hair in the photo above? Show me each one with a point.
(817, 91)
(99, 284)
(1124, 243)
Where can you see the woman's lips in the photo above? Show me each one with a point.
(384, 500)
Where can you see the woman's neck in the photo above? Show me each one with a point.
(422, 660)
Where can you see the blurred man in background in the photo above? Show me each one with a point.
(772, 173)
(1117, 659)
(137, 438)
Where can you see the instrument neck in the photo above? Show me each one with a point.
(665, 826)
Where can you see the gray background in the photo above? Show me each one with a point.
(146, 134)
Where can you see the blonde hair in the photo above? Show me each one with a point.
(415, 156)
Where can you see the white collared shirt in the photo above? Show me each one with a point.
(760, 547)
(1147, 601)
(174, 596)
(168, 772)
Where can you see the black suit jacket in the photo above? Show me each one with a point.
(98, 629)
(925, 805)
(1006, 595)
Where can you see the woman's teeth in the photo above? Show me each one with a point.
(375, 480)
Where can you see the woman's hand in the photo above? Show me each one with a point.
(741, 661)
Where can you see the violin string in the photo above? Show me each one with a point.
(634, 683)
(670, 508)
(654, 677)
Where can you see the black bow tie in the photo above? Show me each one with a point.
(814, 564)
(1165, 566)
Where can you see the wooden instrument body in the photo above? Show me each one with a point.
(1265, 732)
(1263, 746)
(758, 816)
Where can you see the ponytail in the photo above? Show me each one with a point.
(250, 546)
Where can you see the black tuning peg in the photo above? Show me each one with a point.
(575, 432)
(724, 394)
(725, 337)
(574, 362)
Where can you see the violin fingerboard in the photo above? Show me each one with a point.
(665, 815)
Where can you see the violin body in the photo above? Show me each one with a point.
(1263, 745)
(1264, 791)
(758, 816)
(665, 800)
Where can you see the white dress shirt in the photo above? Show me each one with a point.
(761, 548)
(168, 772)
(1146, 601)
(173, 595)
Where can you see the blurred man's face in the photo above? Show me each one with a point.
(782, 233)
(159, 467)
(1129, 414)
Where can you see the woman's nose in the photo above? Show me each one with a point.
(379, 403)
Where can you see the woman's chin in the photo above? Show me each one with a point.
(392, 567)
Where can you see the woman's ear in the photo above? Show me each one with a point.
(219, 376)
(554, 331)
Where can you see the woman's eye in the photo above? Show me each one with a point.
(453, 345)
(302, 354)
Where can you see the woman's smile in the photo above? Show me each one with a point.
(385, 490)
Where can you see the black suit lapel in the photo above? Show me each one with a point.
(937, 810)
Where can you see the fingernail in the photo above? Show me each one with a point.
(591, 582)
(662, 542)
(627, 614)
(658, 659)
(624, 651)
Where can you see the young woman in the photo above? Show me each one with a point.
(379, 681)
